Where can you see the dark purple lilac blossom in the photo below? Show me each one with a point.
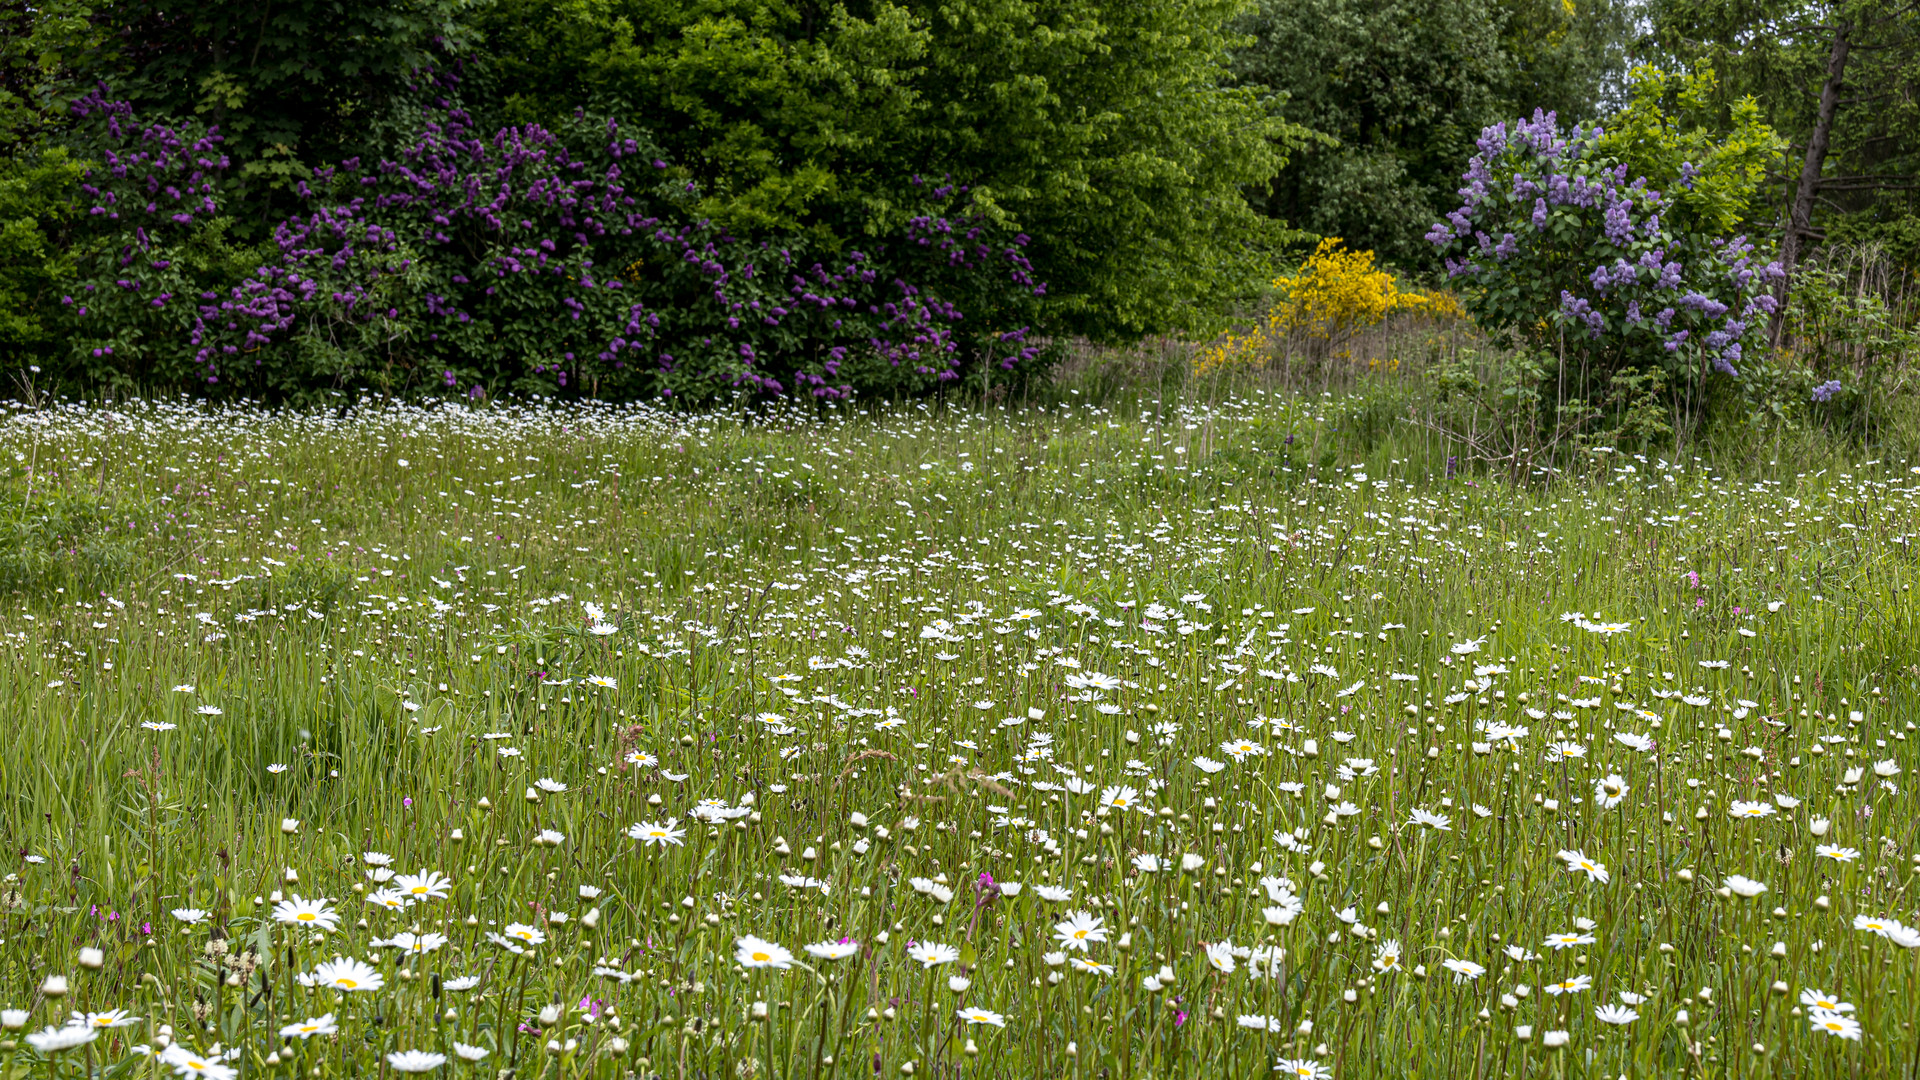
(565, 260)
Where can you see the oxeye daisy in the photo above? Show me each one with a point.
(754, 952)
(318, 914)
(653, 833)
(1814, 999)
(306, 1029)
(982, 1016)
(1386, 956)
(1834, 1024)
(426, 885)
(415, 1061)
(930, 954)
(112, 1018)
(347, 974)
(1079, 931)
(1579, 863)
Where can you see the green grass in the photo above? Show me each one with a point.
(899, 614)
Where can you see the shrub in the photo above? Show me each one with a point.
(557, 260)
(1333, 293)
(1554, 247)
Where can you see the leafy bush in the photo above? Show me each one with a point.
(559, 260)
(1554, 246)
(34, 201)
(1107, 132)
(1333, 293)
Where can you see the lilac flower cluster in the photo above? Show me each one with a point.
(1552, 232)
(553, 260)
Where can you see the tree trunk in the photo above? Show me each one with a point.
(1800, 214)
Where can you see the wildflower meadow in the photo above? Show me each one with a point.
(1113, 740)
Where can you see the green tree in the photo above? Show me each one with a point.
(1708, 157)
(1106, 131)
(1841, 80)
(1402, 88)
(290, 84)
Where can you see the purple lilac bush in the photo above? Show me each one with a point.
(1553, 237)
(557, 260)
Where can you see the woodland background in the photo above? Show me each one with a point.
(699, 200)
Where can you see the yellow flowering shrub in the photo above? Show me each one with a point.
(1334, 293)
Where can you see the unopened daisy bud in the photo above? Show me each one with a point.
(1822, 902)
(1523, 1032)
(485, 803)
(1554, 1040)
(972, 1048)
(906, 1069)
(1681, 1019)
(457, 836)
(532, 795)
(1685, 875)
(292, 876)
(958, 983)
(550, 1014)
(1073, 1049)
(1125, 943)
(1778, 987)
(54, 986)
(591, 919)
(553, 1047)
(1779, 950)
(13, 1019)
(92, 958)
(289, 825)
(758, 1011)
(273, 1059)
(1310, 748)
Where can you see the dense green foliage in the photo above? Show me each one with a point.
(1777, 52)
(1035, 171)
(1104, 131)
(1401, 89)
(1096, 146)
